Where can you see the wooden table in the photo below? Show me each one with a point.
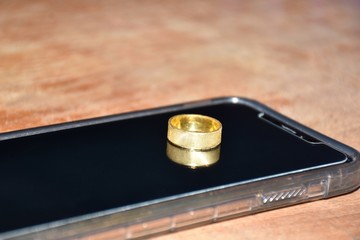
(68, 60)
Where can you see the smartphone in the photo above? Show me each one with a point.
(113, 173)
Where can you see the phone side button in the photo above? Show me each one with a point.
(192, 217)
(234, 207)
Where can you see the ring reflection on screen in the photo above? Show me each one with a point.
(192, 158)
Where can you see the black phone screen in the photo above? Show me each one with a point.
(57, 175)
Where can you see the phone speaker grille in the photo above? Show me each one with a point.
(282, 195)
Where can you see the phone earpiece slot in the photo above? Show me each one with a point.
(275, 122)
(289, 129)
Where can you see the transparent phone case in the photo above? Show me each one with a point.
(206, 206)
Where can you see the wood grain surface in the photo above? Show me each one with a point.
(68, 60)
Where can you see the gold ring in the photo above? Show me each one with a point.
(194, 131)
(192, 158)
